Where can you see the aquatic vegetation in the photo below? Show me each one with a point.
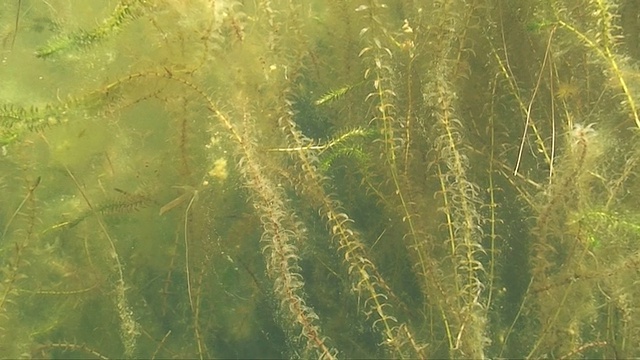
(319, 179)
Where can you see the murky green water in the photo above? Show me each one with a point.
(319, 179)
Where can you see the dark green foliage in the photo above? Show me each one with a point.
(320, 179)
(126, 10)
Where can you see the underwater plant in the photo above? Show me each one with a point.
(319, 179)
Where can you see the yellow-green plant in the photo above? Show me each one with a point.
(319, 179)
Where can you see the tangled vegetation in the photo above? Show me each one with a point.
(320, 179)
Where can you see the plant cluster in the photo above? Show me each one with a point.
(320, 179)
